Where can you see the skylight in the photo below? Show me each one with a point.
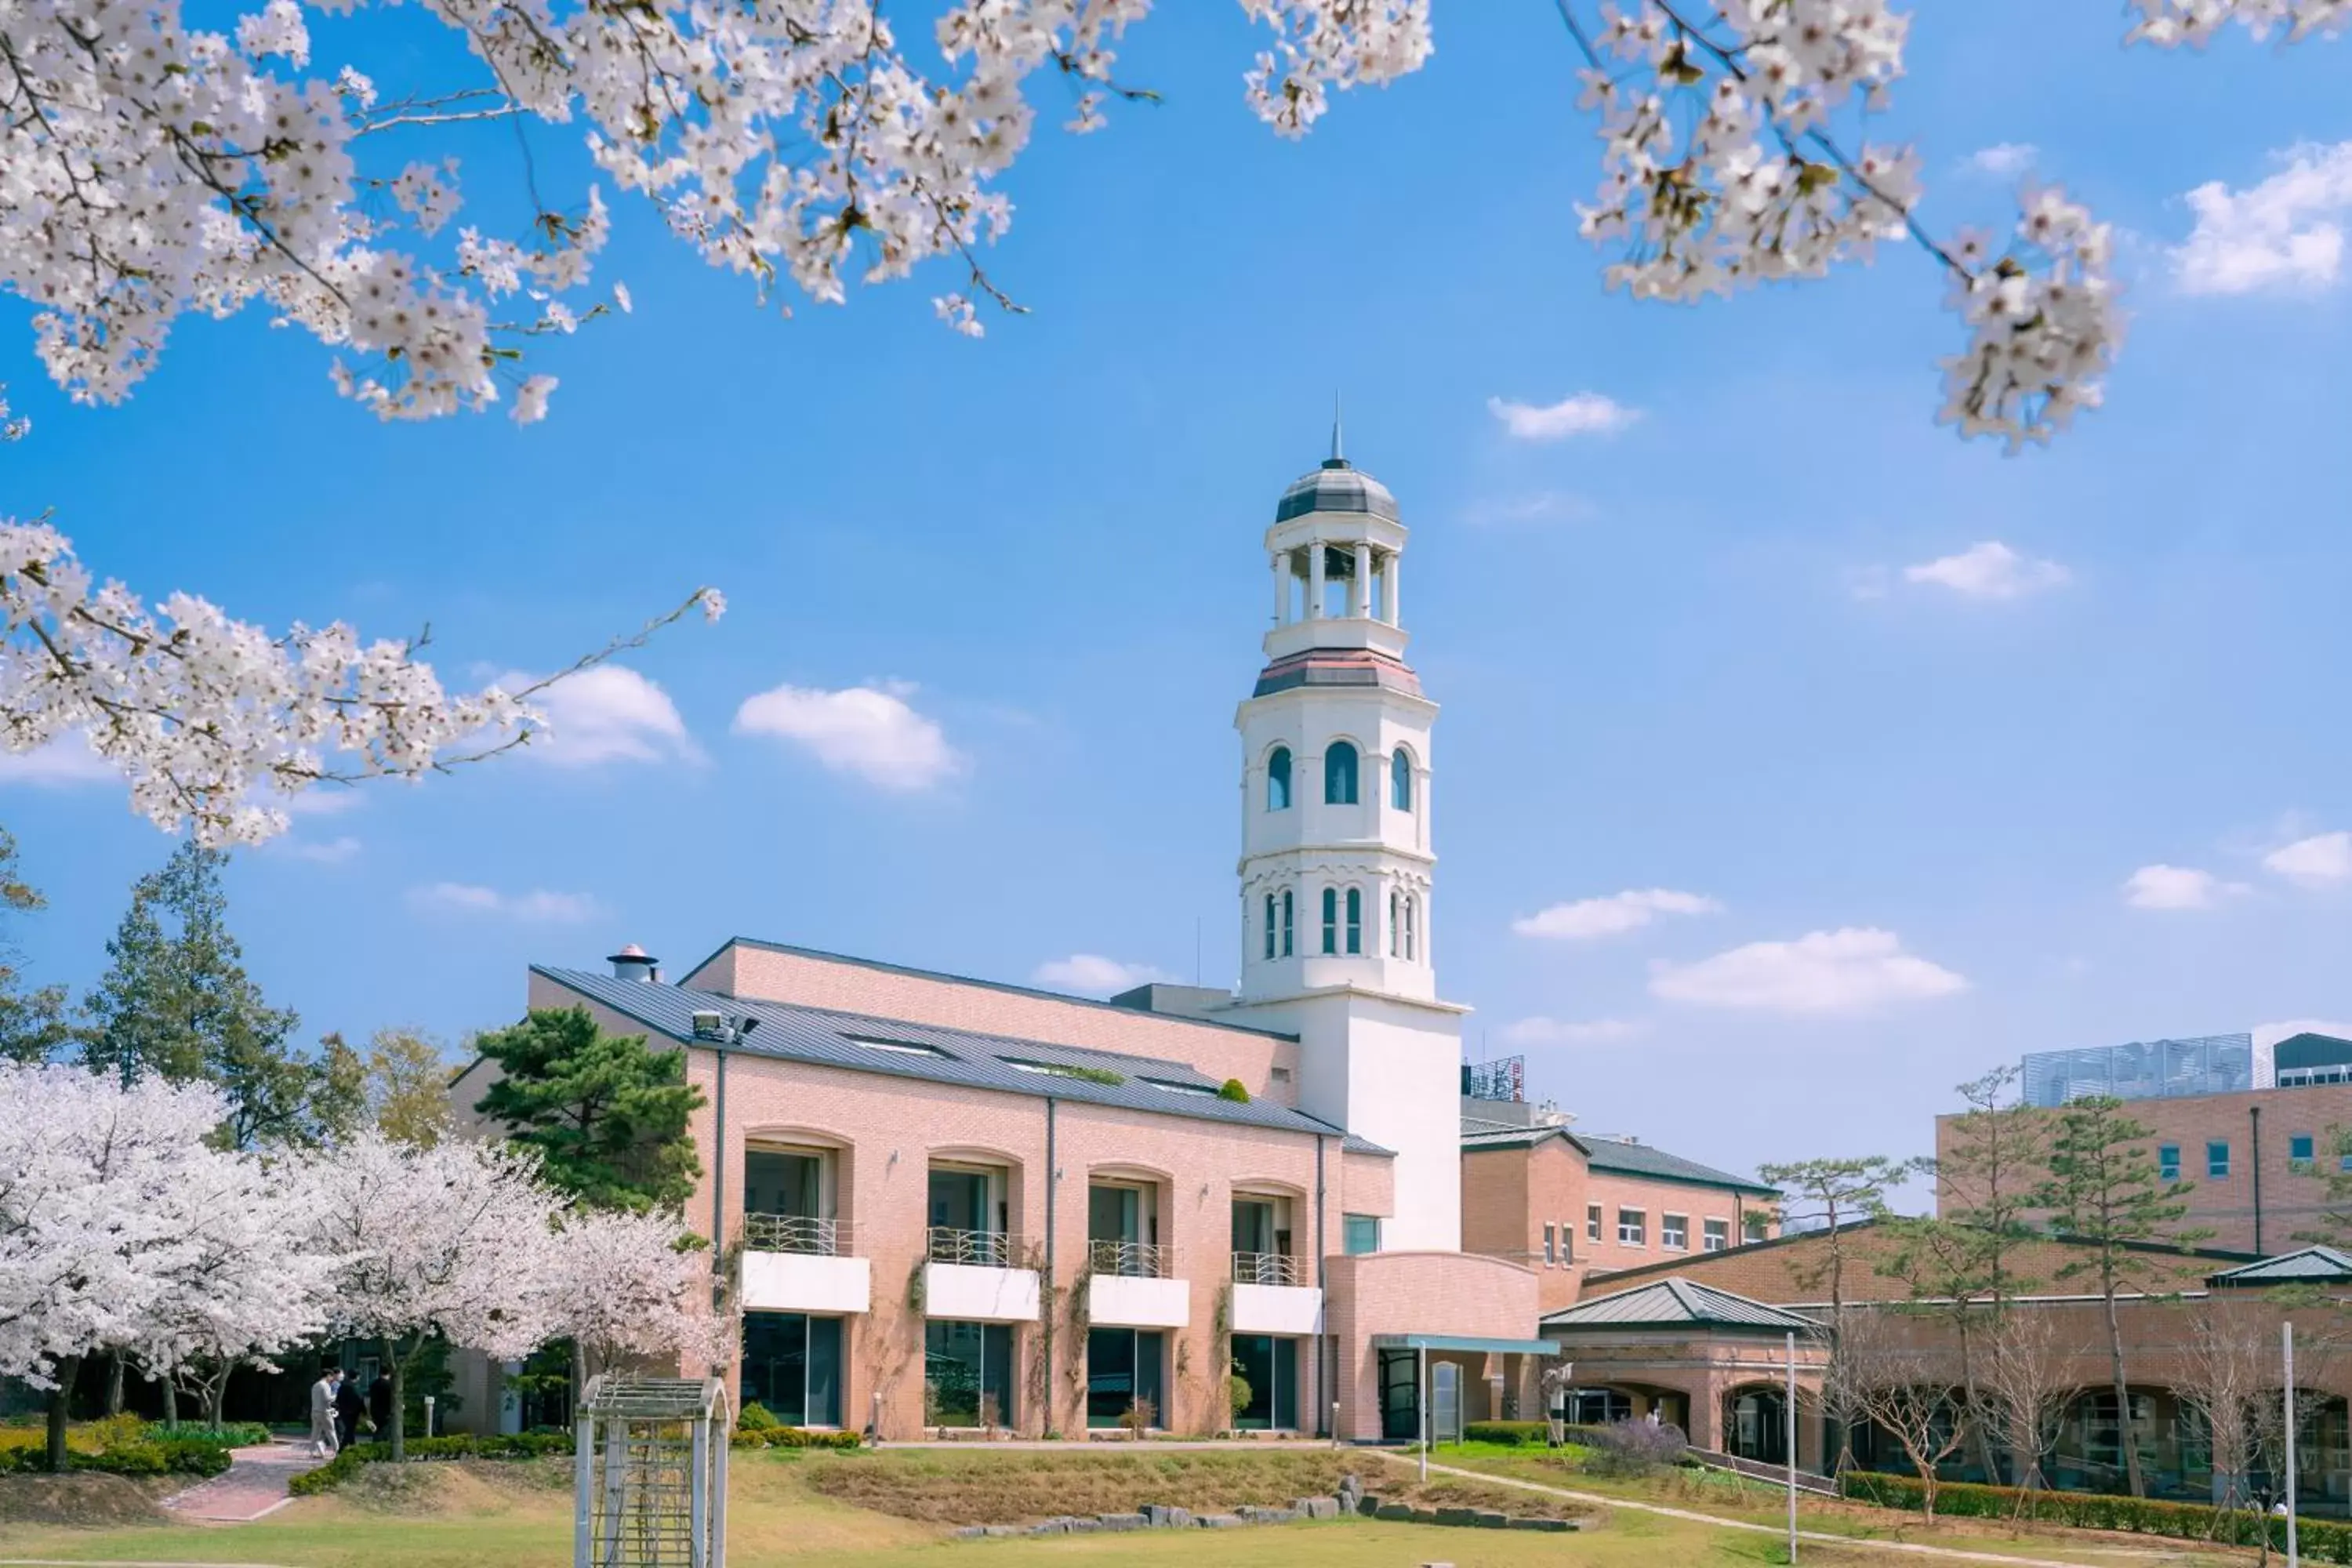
(904, 1048)
(1165, 1087)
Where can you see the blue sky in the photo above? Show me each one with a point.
(1748, 646)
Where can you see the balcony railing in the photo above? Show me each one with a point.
(796, 1233)
(980, 1249)
(1267, 1268)
(1128, 1259)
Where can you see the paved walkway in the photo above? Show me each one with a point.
(1778, 1532)
(252, 1485)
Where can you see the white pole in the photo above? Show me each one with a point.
(1424, 1410)
(1790, 1438)
(2286, 1338)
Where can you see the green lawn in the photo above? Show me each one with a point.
(791, 1509)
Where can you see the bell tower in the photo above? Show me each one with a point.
(1337, 868)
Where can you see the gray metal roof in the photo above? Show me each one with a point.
(1613, 1155)
(2308, 1266)
(895, 1047)
(1337, 486)
(1677, 1303)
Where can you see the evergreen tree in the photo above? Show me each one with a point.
(2103, 1191)
(1829, 1196)
(607, 1113)
(175, 1002)
(32, 1021)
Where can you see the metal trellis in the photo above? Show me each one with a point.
(650, 1474)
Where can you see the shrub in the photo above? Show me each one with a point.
(792, 1437)
(1511, 1434)
(171, 1457)
(119, 1431)
(1635, 1449)
(228, 1434)
(1235, 1091)
(334, 1472)
(755, 1419)
(1238, 1393)
(2322, 1541)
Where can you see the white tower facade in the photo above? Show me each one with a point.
(1337, 868)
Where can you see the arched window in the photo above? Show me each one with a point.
(1286, 913)
(1355, 920)
(1330, 919)
(1401, 779)
(1340, 774)
(1396, 949)
(1271, 919)
(1412, 908)
(1277, 780)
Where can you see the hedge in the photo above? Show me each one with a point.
(2322, 1541)
(228, 1434)
(459, 1445)
(1510, 1434)
(171, 1456)
(791, 1437)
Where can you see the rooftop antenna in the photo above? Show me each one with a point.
(1339, 454)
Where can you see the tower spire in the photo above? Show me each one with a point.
(1338, 452)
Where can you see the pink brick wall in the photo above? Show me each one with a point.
(763, 974)
(1424, 1292)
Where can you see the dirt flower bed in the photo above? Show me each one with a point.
(86, 1500)
(945, 1488)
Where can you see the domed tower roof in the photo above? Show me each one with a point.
(1337, 486)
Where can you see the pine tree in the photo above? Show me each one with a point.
(175, 1002)
(2104, 1191)
(1830, 1195)
(607, 1113)
(32, 1023)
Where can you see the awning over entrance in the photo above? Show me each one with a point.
(1467, 1343)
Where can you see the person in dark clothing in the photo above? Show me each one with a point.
(379, 1400)
(349, 1407)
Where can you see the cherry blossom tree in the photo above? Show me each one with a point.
(244, 1282)
(456, 1241)
(625, 1286)
(150, 169)
(99, 1222)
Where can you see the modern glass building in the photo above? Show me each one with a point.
(2144, 1069)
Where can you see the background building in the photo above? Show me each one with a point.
(2144, 1069)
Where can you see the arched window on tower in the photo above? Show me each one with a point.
(1340, 774)
(1273, 921)
(1277, 780)
(1355, 920)
(1287, 912)
(1396, 936)
(1412, 913)
(1401, 779)
(1331, 919)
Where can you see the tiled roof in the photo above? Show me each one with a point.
(1677, 1303)
(1337, 486)
(2309, 1265)
(895, 1047)
(1612, 1155)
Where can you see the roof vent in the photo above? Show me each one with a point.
(632, 962)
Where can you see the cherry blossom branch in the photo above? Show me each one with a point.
(216, 722)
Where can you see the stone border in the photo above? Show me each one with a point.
(1352, 1499)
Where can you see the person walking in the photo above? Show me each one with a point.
(380, 1406)
(323, 1412)
(349, 1407)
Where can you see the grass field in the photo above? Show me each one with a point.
(887, 1510)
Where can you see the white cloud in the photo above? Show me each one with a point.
(1544, 506)
(1579, 413)
(2003, 160)
(334, 852)
(608, 714)
(319, 800)
(1990, 569)
(2321, 861)
(537, 906)
(2281, 234)
(1851, 970)
(2268, 1035)
(868, 730)
(1091, 974)
(64, 763)
(1618, 912)
(2162, 887)
(1542, 1031)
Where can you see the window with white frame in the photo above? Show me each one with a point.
(1674, 1232)
(1550, 1251)
(1715, 1235)
(1632, 1227)
(1593, 1222)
